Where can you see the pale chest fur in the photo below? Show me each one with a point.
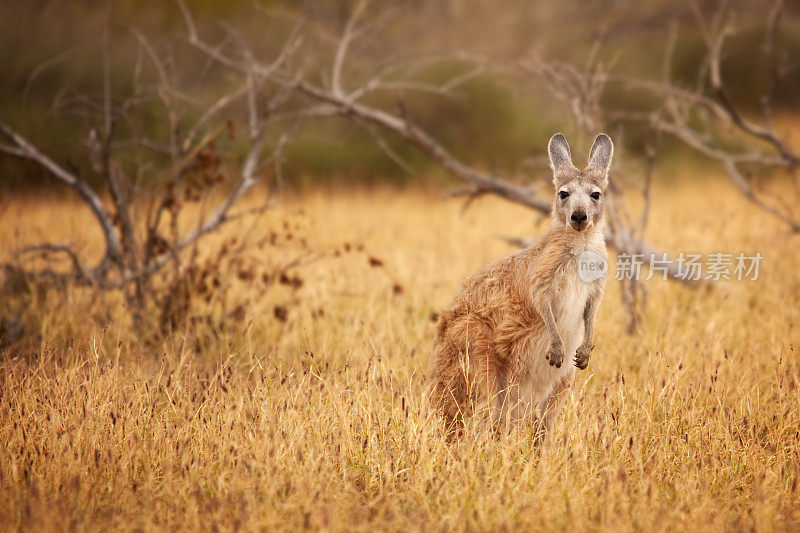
(570, 297)
(571, 292)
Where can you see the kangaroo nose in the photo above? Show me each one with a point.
(579, 217)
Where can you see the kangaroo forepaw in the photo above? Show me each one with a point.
(582, 356)
(555, 355)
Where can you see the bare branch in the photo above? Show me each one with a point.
(387, 148)
(13, 150)
(618, 237)
(702, 117)
(744, 187)
(220, 215)
(645, 213)
(26, 150)
(107, 75)
(427, 144)
(177, 169)
(81, 273)
(344, 45)
(165, 93)
(212, 111)
(211, 51)
(579, 90)
(714, 45)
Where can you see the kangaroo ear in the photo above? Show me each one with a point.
(559, 153)
(601, 153)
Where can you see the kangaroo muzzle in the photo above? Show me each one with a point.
(579, 220)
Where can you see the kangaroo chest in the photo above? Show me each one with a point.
(571, 294)
(538, 378)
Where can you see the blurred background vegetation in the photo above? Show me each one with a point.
(53, 71)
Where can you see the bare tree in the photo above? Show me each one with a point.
(707, 119)
(143, 236)
(580, 90)
(344, 98)
(278, 93)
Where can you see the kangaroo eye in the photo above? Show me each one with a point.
(595, 195)
(563, 194)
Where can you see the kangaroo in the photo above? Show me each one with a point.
(501, 343)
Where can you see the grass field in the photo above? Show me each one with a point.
(300, 404)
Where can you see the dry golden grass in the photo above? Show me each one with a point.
(317, 421)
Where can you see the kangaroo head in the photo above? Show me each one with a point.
(580, 194)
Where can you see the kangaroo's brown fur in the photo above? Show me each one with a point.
(501, 342)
